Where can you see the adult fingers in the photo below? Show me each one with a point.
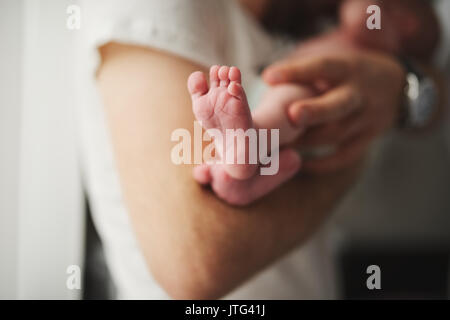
(347, 155)
(331, 106)
(335, 133)
(308, 70)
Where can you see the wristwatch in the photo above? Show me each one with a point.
(420, 98)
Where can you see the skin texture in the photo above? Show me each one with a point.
(223, 105)
(195, 245)
(362, 100)
(360, 97)
(348, 116)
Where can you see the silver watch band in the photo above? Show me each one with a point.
(421, 98)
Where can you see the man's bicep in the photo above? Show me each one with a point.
(145, 99)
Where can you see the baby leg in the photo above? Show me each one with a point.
(272, 112)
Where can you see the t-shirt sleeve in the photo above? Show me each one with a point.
(191, 29)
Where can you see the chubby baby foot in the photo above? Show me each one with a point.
(222, 106)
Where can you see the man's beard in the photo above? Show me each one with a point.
(298, 18)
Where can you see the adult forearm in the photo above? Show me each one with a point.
(199, 247)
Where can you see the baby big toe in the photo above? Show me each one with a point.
(197, 84)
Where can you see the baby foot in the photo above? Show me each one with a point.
(223, 106)
(244, 192)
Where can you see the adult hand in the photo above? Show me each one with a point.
(360, 95)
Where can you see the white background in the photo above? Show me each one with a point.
(41, 203)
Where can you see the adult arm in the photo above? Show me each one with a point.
(195, 245)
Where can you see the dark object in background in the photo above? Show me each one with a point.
(298, 19)
(405, 274)
(97, 282)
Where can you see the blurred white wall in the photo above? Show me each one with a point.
(41, 203)
(10, 79)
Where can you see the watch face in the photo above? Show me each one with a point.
(422, 108)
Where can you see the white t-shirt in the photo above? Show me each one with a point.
(206, 32)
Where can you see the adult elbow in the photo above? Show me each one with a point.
(191, 276)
